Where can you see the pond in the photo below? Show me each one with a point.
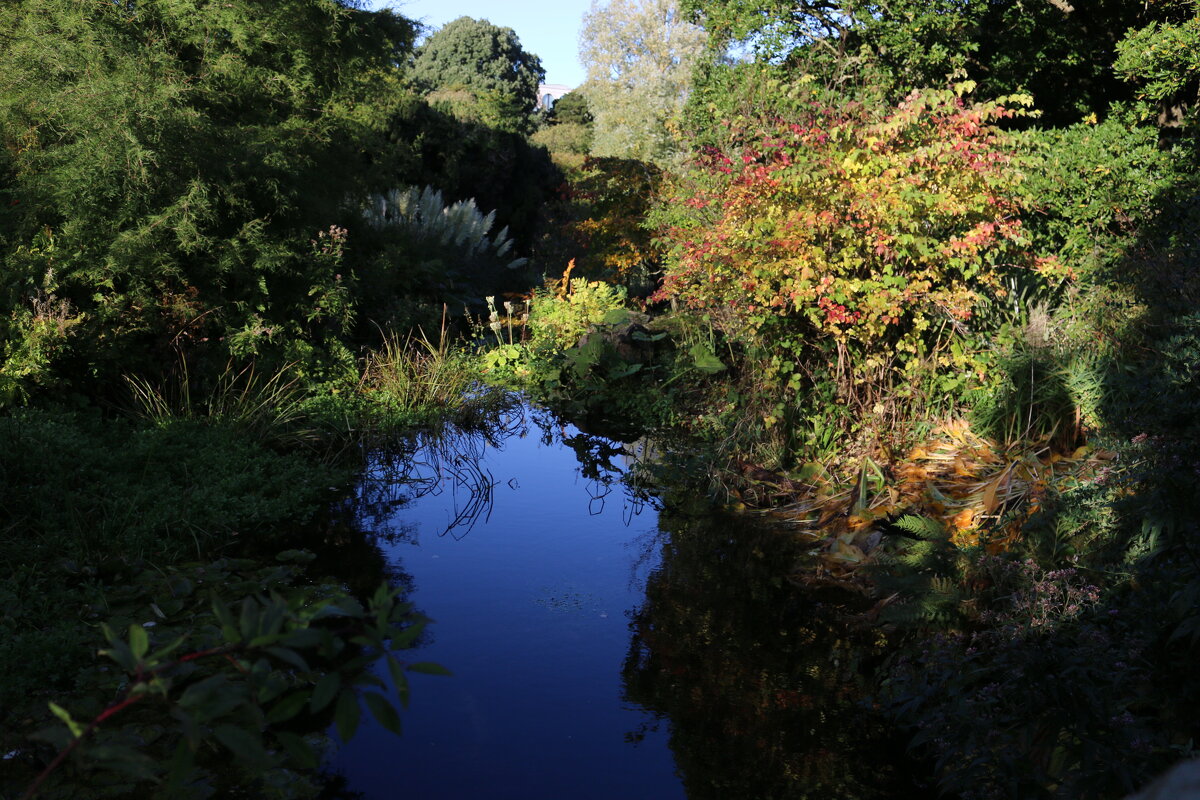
(606, 643)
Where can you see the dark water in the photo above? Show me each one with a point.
(604, 648)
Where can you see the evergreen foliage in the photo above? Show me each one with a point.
(170, 165)
(486, 60)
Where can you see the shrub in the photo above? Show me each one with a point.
(565, 137)
(428, 247)
(849, 239)
(603, 222)
(556, 321)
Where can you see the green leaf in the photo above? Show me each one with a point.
(180, 586)
(383, 711)
(299, 749)
(212, 697)
(325, 690)
(623, 371)
(139, 641)
(345, 607)
(346, 715)
(250, 622)
(383, 596)
(704, 360)
(288, 707)
(370, 679)
(242, 743)
(120, 653)
(166, 650)
(409, 635)
(616, 316)
(60, 712)
(399, 679)
(429, 668)
(228, 627)
(290, 656)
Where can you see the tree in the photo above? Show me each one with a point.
(168, 168)
(1163, 59)
(572, 107)
(639, 56)
(1060, 52)
(486, 60)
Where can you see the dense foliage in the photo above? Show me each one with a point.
(169, 168)
(844, 222)
(853, 235)
(203, 222)
(639, 56)
(486, 60)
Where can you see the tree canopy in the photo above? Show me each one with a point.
(483, 58)
(168, 167)
(1059, 52)
(639, 56)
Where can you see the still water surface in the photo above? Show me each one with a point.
(602, 647)
(531, 589)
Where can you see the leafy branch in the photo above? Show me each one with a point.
(254, 674)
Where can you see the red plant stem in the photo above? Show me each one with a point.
(66, 751)
(128, 700)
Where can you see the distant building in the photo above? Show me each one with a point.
(548, 93)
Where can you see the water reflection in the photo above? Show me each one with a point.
(454, 461)
(522, 554)
(765, 683)
(603, 649)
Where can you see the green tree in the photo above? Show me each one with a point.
(568, 130)
(170, 166)
(1163, 59)
(639, 56)
(488, 61)
(572, 107)
(1060, 52)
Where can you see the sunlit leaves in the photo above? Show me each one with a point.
(64, 715)
(872, 229)
(639, 56)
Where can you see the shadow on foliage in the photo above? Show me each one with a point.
(1066, 688)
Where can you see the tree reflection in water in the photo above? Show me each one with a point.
(764, 683)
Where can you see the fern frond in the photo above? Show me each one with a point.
(921, 527)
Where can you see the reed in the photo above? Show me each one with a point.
(265, 407)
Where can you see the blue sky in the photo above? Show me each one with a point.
(547, 28)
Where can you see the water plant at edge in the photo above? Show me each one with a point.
(268, 409)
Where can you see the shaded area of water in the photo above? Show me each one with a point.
(600, 648)
(766, 683)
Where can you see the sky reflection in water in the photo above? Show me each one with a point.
(530, 569)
